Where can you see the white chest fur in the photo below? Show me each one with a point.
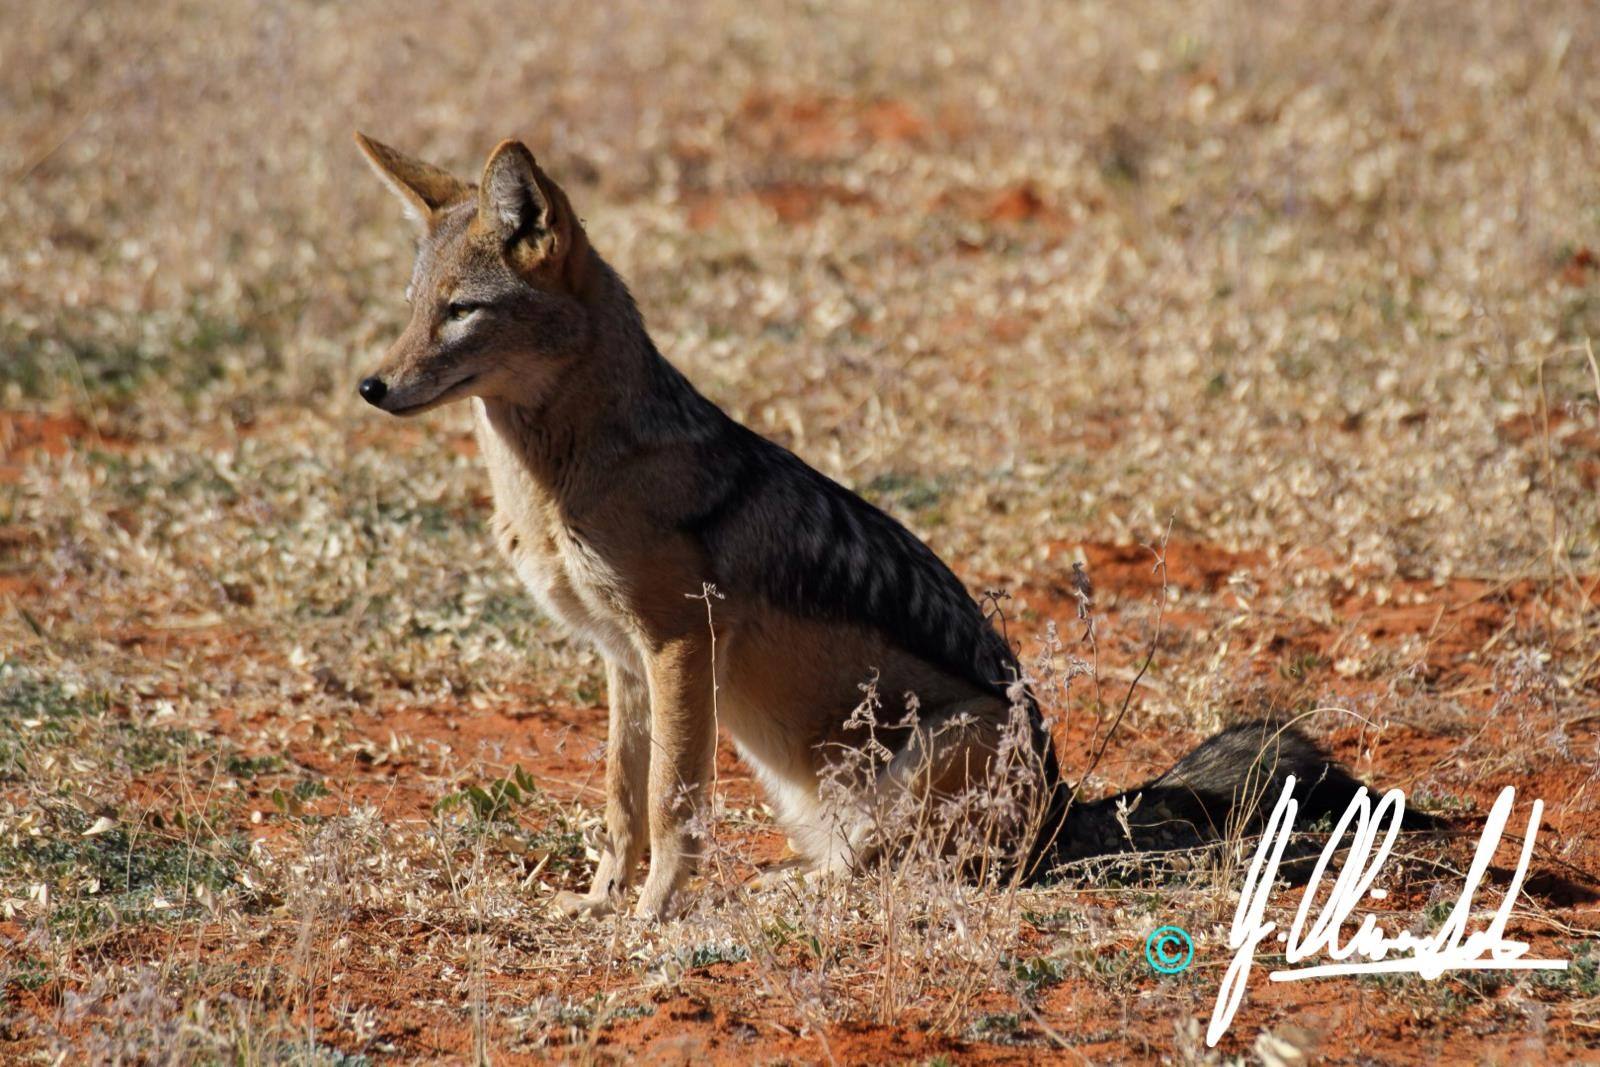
(572, 582)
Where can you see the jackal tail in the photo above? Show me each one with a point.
(1224, 789)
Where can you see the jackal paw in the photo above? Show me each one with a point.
(658, 904)
(580, 906)
(781, 874)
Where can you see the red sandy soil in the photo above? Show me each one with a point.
(719, 1015)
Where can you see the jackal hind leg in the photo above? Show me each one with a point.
(954, 790)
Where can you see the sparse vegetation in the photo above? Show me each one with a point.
(290, 767)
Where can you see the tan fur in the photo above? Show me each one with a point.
(621, 493)
(602, 554)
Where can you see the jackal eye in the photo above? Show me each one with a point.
(457, 310)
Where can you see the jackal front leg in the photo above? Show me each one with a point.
(682, 747)
(627, 811)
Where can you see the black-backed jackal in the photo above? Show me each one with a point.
(621, 493)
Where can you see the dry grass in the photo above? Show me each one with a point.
(1313, 284)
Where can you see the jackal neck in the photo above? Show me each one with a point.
(609, 406)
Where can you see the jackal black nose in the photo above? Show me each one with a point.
(373, 390)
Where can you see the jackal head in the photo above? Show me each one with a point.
(496, 292)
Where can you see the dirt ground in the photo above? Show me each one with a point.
(1278, 322)
(382, 980)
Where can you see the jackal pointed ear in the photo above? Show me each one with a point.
(523, 207)
(510, 201)
(422, 187)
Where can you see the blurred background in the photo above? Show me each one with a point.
(1256, 247)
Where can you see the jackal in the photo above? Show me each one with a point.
(621, 493)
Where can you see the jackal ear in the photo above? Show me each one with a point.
(521, 206)
(422, 187)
